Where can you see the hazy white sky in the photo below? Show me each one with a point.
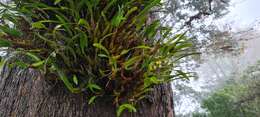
(244, 12)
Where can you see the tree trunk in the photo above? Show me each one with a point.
(25, 93)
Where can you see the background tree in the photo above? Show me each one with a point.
(194, 16)
(238, 97)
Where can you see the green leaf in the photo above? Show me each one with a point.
(152, 4)
(113, 62)
(21, 64)
(118, 18)
(11, 31)
(129, 12)
(151, 30)
(11, 17)
(184, 75)
(38, 64)
(2, 62)
(75, 79)
(122, 107)
(99, 46)
(33, 56)
(124, 52)
(95, 2)
(142, 47)
(65, 22)
(83, 42)
(53, 43)
(82, 22)
(150, 81)
(93, 87)
(103, 56)
(131, 61)
(177, 38)
(111, 3)
(38, 25)
(92, 99)
(66, 81)
(183, 45)
(5, 43)
(57, 2)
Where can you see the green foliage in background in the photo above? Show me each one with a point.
(240, 97)
(98, 47)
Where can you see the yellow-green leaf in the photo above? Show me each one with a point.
(38, 64)
(99, 46)
(82, 22)
(92, 99)
(57, 1)
(93, 87)
(75, 79)
(33, 56)
(122, 107)
(38, 25)
(131, 61)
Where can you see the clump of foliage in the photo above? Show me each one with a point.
(99, 47)
(240, 96)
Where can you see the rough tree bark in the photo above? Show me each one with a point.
(25, 93)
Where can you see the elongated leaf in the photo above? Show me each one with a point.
(33, 56)
(152, 4)
(38, 25)
(177, 38)
(151, 30)
(150, 81)
(5, 43)
(63, 20)
(75, 79)
(11, 31)
(38, 64)
(93, 87)
(99, 46)
(131, 61)
(142, 47)
(111, 2)
(57, 1)
(46, 40)
(66, 82)
(123, 107)
(129, 12)
(82, 22)
(124, 52)
(118, 18)
(2, 62)
(184, 75)
(183, 45)
(21, 64)
(103, 56)
(92, 99)
(83, 42)
(94, 2)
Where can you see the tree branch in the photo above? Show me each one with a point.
(195, 17)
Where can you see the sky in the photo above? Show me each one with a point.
(244, 12)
